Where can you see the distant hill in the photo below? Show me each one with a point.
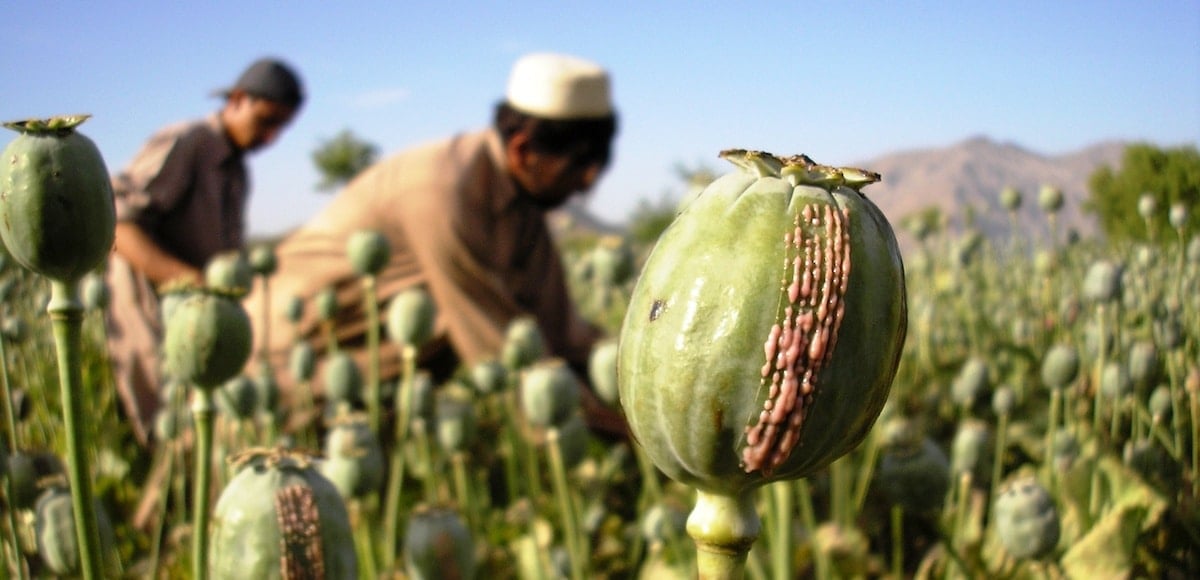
(966, 175)
(971, 174)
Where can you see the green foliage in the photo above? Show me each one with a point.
(1172, 176)
(649, 219)
(341, 158)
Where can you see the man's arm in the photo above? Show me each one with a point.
(147, 257)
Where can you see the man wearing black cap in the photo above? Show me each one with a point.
(180, 202)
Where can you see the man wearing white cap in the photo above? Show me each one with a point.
(465, 218)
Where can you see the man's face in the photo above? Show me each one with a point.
(254, 123)
(551, 179)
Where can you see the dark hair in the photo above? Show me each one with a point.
(584, 140)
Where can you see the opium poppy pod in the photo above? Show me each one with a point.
(207, 339)
(56, 203)
(764, 333)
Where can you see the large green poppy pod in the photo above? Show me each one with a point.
(343, 379)
(56, 202)
(766, 327)
(410, 317)
(280, 518)
(916, 478)
(488, 376)
(207, 339)
(368, 251)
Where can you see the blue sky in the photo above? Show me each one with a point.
(842, 82)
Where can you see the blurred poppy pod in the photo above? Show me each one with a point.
(368, 251)
(410, 317)
(1026, 519)
(207, 339)
(437, 544)
(56, 202)
(766, 327)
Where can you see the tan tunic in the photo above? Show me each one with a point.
(457, 225)
(187, 189)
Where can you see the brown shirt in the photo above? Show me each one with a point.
(457, 225)
(187, 189)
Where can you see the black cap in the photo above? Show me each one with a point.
(272, 80)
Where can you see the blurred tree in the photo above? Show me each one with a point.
(1171, 176)
(341, 158)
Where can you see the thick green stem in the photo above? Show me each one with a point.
(403, 402)
(1056, 396)
(724, 528)
(783, 538)
(462, 489)
(66, 313)
(10, 422)
(202, 411)
(566, 508)
(373, 395)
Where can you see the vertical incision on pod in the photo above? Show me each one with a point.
(299, 534)
(817, 268)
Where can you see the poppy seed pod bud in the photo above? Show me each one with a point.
(765, 329)
(1010, 198)
(455, 421)
(1003, 400)
(353, 458)
(970, 383)
(602, 371)
(612, 261)
(410, 317)
(240, 399)
(343, 379)
(302, 362)
(1026, 519)
(437, 544)
(916, 479)
(207, 339)
(294, 309)
(1102, 283)
(1114, 380)
(1060, 367)
(572, 435)
(1064, 450)
(488, 376)
(424, 397)
(549, 393)
(368, 251)
(229, 273)
(327, 304)
(1143, 365)
(56, 202)
(1050, 199)
(262, 260)
(969, 450)
(280, 518)
(523, 343)
(1178, 216)
(1160, 403)
(1147, 205)
(54, 526)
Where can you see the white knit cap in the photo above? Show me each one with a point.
(556, 86)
